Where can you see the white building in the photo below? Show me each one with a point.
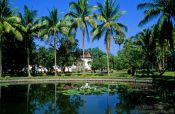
(87, 60)
(78, 65)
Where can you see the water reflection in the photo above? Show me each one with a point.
(48, 99)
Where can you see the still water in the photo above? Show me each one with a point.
(123, 99)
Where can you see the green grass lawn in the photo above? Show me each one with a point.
(169, 74)
(116, 74)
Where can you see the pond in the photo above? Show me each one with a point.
(114, 98)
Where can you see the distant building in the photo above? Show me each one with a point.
(78, 65)
(87, 59)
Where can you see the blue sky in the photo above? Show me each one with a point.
(131, 18)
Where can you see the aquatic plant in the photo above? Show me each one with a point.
(92, 90)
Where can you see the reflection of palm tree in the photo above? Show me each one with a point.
(28, 93)
(0, 92)
(108, 102)
(55, 96)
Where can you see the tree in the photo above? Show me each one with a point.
(32, 27)
(165, 11)
(98, 59)
(54, 27)
(44, 57)
(108, 15)
(67, 53)
(8, 24)
(81, 16)
(14, 55)
(119, 40)
(131, 55)
(147, 41)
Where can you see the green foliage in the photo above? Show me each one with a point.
(67, 53)
(107, 16)
(9, 24)
(91, 90)
(44, 57)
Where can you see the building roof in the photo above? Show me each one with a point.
(86, 55)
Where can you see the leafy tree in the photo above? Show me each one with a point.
(108, 15)
(8, 24)
(44, 57)
(67, 53)
(54, 28)
(14, 55)
(98, 58)
(99, 63)
(132, 54)
(81, 15)
(95, 52)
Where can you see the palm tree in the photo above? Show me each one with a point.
(147, 41)
(8, 24)
(81, 16)
(54, 28)
(119, 40)
(164, 10)
(32, 28)
(108, 15)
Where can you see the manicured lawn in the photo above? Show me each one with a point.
(116, 74)
(169, 74)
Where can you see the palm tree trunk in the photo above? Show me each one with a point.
(83, 45)
(28, 62)
(108, 51)
(0, 56)
(55, 53)
(28, 57)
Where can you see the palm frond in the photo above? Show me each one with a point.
(146, 5)
(100, 18)
(149, 15)
(117, 28)
(118, 15)
(123, 27)
(14, 19)
(7, 26)
(98, 32)
(17, 34)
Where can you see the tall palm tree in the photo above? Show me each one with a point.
(54, 28)
(81, 16)
(8, 24)
(32, 28)
(108, 15)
